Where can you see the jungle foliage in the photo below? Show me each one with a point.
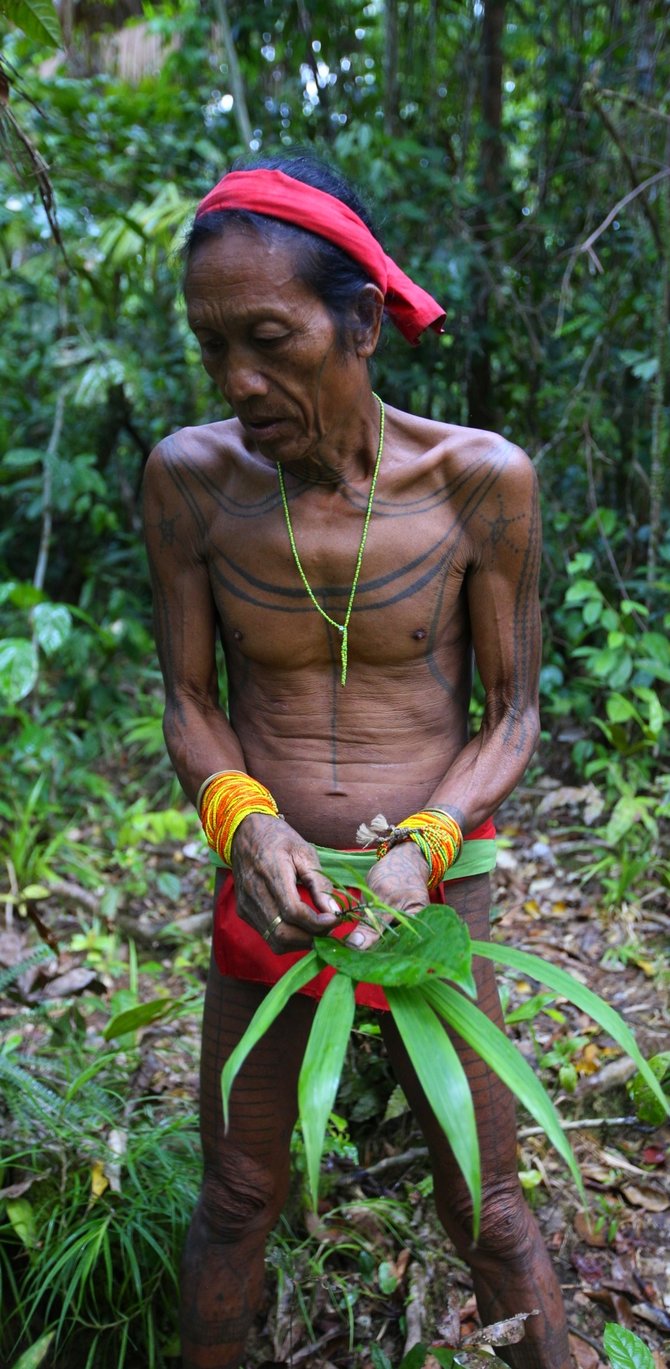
(517, 160)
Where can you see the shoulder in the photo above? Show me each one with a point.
(193, 449)
(469, 459)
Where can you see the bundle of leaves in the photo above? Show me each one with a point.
(425, 969)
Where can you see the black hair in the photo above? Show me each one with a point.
(335, 278)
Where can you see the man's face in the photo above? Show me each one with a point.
(270, 345)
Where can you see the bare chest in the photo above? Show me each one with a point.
(285, 589)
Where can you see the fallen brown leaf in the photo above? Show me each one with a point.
(584, 1355)
(587, 1231)
(507, 1332)
(643, 1195)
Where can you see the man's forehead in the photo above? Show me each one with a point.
(221, 280)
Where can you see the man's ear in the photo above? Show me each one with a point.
(367, 320)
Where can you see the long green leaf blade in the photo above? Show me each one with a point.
(502, 1056)
(443, 1081)
(321, 1070)
(294, 979)
(577, 993)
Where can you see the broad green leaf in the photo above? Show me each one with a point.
(52, 624)
(321, 1070)
(443, 1081)
(505, 1060)
(436, 942)
(294, 979)
(625, 1350)
(132, 1018)
(37, 18)
(18, 668)
(577, 993)
(620, 709)
(625, 814)
(22, 1217)
(35, 1355)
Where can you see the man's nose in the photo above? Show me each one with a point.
(242, 380)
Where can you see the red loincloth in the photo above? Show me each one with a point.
(241, 953)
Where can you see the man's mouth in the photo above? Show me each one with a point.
(265, 426)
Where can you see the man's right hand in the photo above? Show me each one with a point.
(269, 861)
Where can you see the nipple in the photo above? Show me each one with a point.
(419, 634)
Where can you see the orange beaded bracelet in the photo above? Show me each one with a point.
(229, 797)
(437, 835)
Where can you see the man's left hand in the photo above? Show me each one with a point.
(398, 880)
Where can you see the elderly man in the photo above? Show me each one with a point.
(352, 558)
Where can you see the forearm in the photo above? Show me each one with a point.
(200, 741)
(488, 769)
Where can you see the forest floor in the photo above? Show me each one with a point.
(373, 1273)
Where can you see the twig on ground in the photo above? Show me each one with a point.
(399, 1161)
(577, 1125)
(583, 1336)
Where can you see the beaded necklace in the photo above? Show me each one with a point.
(342, 628)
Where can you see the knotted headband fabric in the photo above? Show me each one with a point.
(279, 196)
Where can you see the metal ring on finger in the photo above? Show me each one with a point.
(272, 928)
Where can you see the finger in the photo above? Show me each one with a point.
(318, 885)
(284, 938)
(362, 938)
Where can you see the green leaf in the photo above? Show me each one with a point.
(443, 1080)
(34, 1356)
(132, 1018)
(321, 1070)
(502, 1056)
(577, 993)
(18, 668)
(647, 1106)
(37, 18)
(53, 625)
(294, 979)
(22, 1217)
(436, 942)
(625, 1350)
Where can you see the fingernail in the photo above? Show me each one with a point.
(334, 905)
(356, 939)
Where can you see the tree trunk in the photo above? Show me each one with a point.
(481, 398)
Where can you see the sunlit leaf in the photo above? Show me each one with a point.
(18, 668)
(52, 624)
(321, 1070)
(33, 1357)
(625, 1350)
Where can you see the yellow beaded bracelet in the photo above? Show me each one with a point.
(228, 798)
(437, 835)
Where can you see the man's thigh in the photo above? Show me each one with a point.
(494, 1104)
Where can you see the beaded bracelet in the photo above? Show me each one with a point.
(437, 835)
(226, 799)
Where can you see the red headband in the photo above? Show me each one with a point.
(281, 197)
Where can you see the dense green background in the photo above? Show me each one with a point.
(502, 147)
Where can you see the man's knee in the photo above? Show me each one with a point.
(239, 1197)
(506, 1231)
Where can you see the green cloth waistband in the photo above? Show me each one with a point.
(346, 867)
